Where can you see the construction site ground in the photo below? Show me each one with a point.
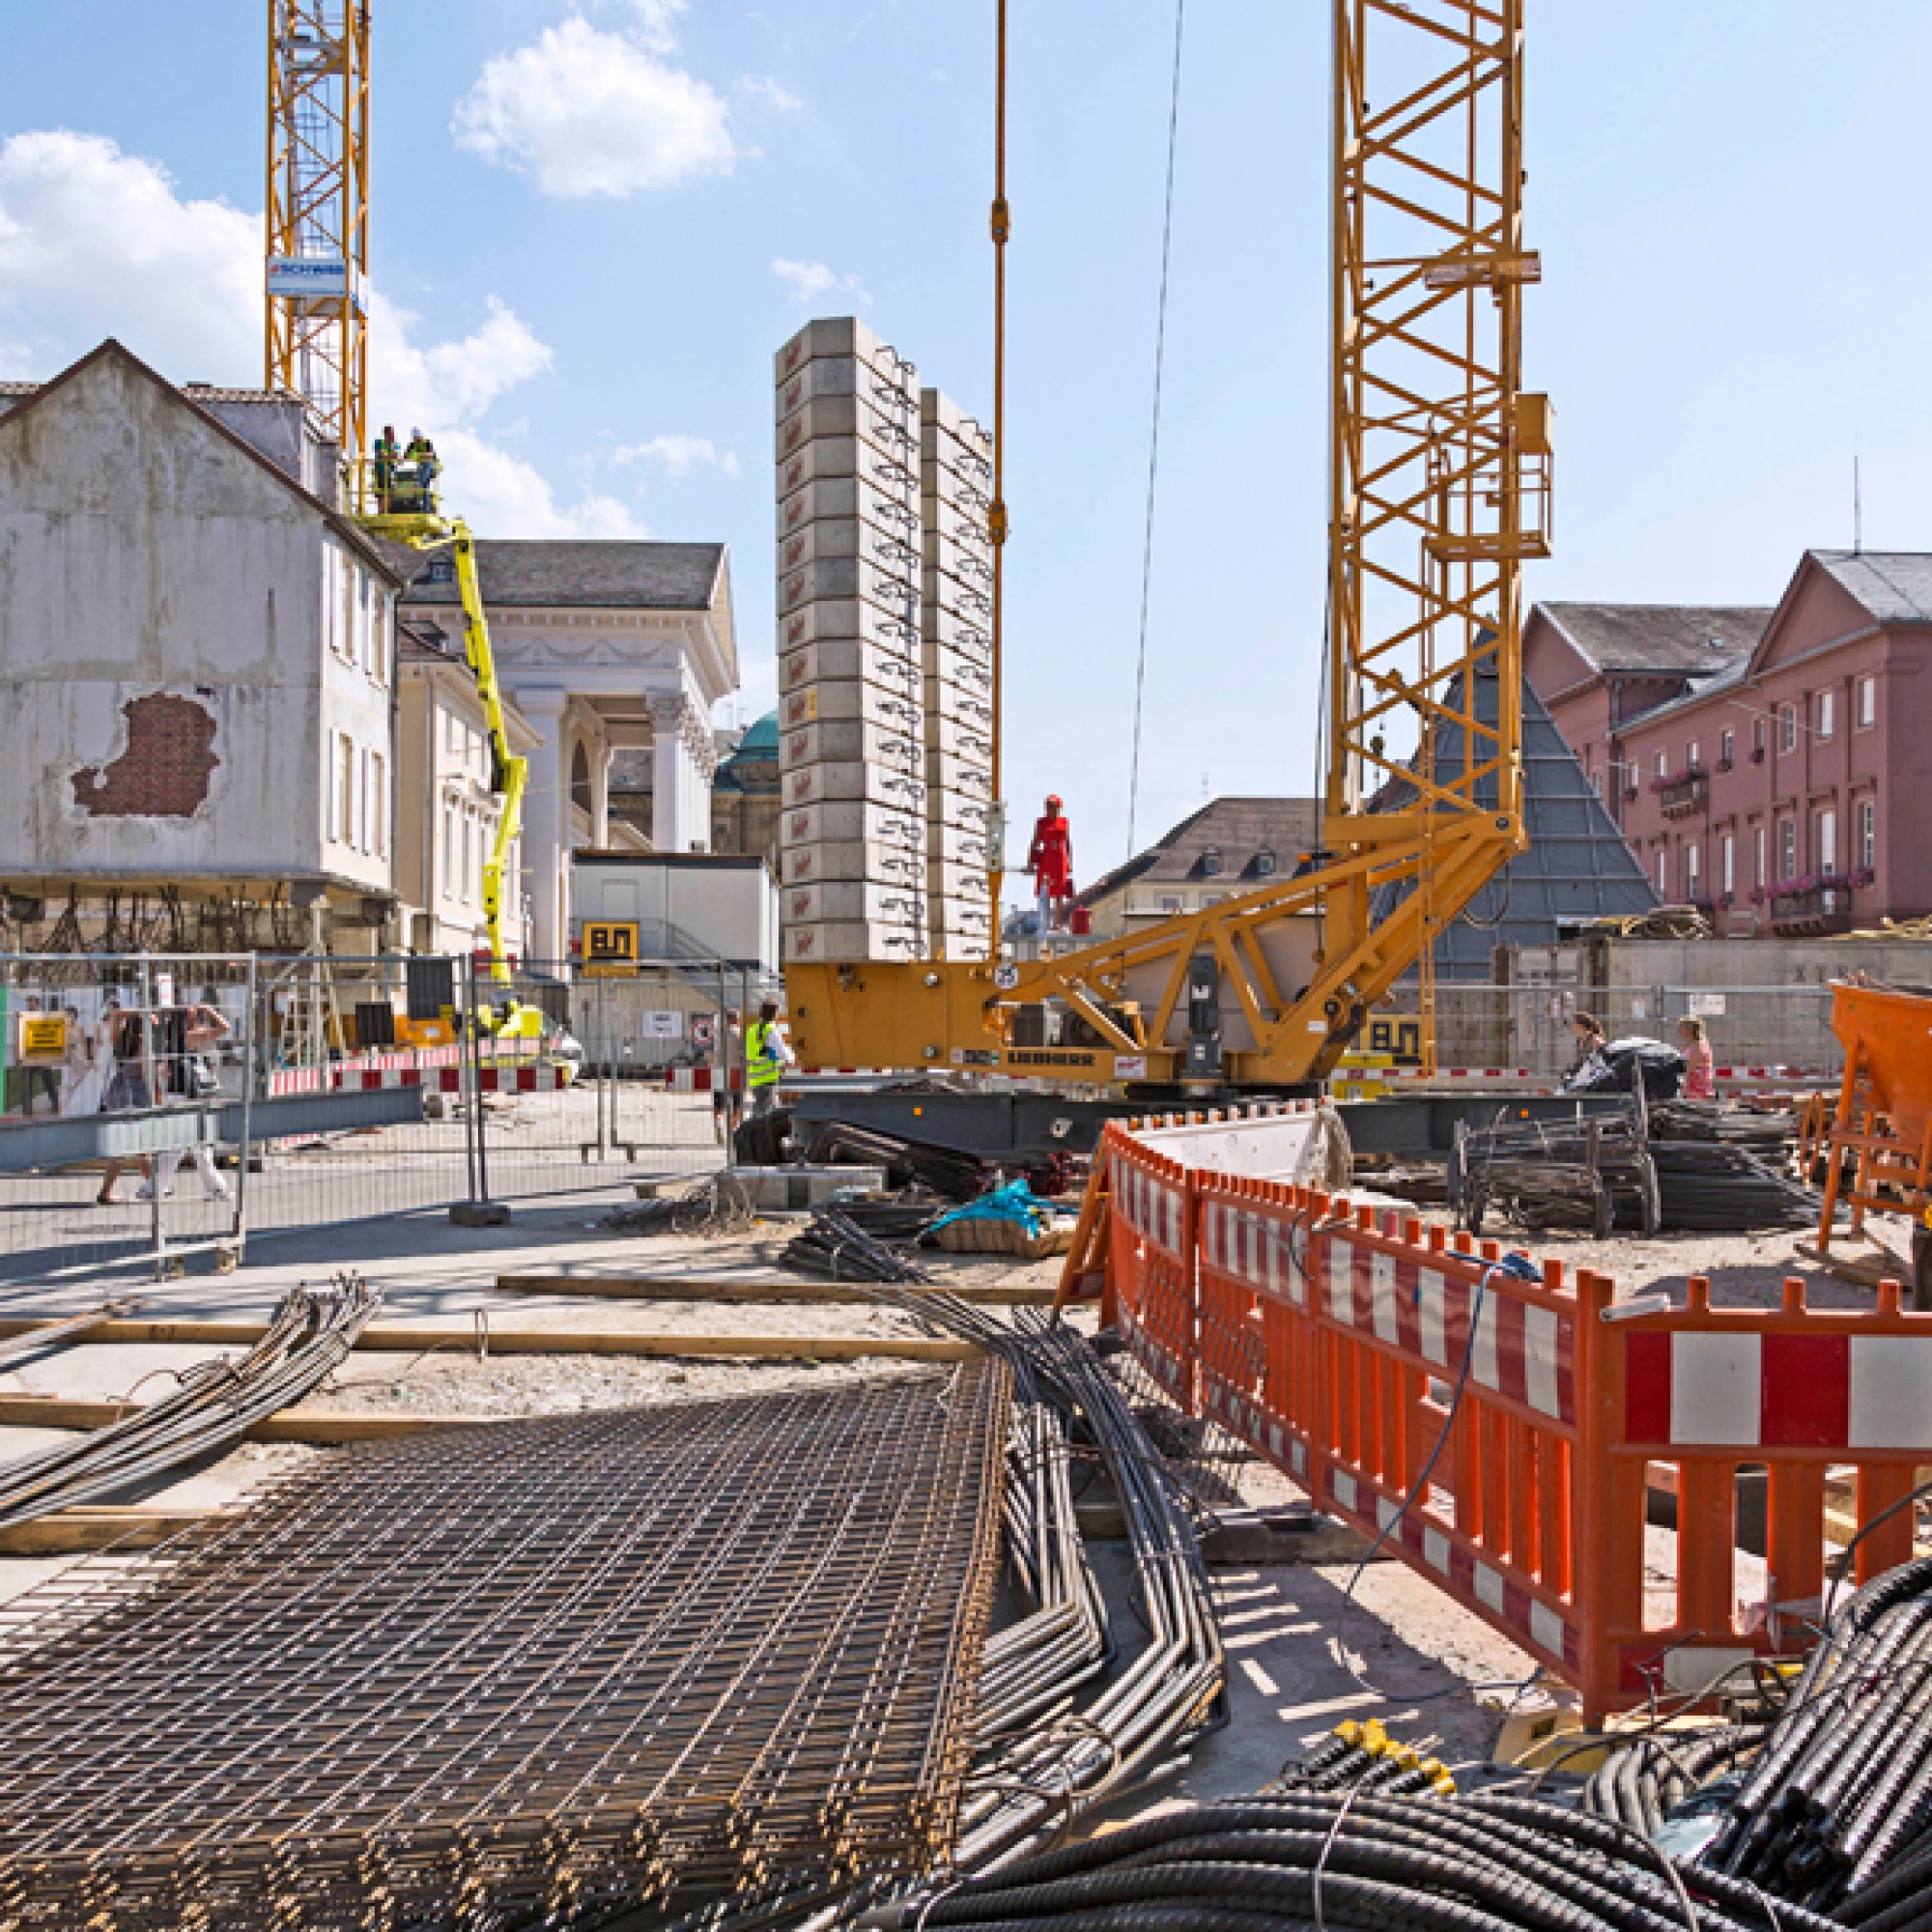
(1436, 1672)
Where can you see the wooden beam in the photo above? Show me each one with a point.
(324, 1427)
(74, 1532)
(775, 1292)
(394, 1338)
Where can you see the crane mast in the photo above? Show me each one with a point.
(1439, 490)
(318, 216)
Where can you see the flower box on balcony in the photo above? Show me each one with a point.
(1682, 791)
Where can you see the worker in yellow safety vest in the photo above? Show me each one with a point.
(767, 1055)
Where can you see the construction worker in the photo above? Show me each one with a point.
(429, 467)
(767, 1055)
(1050, 860)
(411, 493)
(388, 452)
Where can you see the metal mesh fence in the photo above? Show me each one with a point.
(1529, 1026)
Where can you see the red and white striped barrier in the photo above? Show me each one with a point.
(700, 1080)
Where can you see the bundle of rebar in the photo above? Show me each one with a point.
(835, 1247)
(1716, 1187)
(210, 1407)
(535, 1672)
(1769, 1133)
(1594, 1173)
(950, 1172)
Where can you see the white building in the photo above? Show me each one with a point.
(602, 645)
(199, 656)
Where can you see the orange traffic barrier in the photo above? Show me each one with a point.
(1342, 1343)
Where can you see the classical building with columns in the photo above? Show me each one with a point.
(605, 646)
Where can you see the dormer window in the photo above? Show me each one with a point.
(1211, 861)
(442, 570)
(1265, 863)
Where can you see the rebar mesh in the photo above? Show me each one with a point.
(533, 1671)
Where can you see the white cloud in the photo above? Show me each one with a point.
(808, 282)
(764, 92)
(587, 112)
(94, 243)
(679, 455)
(97, 243)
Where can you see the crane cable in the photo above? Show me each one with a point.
(996, 510)
(1153, 439)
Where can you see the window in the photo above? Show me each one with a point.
(1210, 862)
(1867, 702)
(1828, 842)
(362, 839)
(579, 781)
(1727, 856)
(1663, 764)
(463, 891)
(1828, 713)
(1757, 735)
(379, 805)
(1693, 758)
(1788, 728)
(442, 570)
(1264, 863)
(448, 849)
(342, 808)
(1758, 874)
(1694, 865)
(452, 732)
(1597, 782)
(1727, 747)
(1868, 834)
(1663, 872)
(1170, 902)
(1787, 848)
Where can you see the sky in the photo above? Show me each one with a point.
(593, 222)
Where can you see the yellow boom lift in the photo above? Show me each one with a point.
(1439, 490)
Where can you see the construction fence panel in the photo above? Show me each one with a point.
(1521, 1440)
(609, 1088)
(122, 1110)
(1757, 1033)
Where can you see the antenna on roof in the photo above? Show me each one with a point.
(1858, 510)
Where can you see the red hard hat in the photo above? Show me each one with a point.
(1053, 798)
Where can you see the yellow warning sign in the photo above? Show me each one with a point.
(42, 1037)
(609, 946)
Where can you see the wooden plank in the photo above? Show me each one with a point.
(397, 1339)
(772, 1291)
(324, 1427)
(38, 1335)
(74, 1532)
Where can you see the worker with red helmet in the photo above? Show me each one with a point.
(1050, 860)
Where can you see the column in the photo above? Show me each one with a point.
(683, 760)
(600, 796)
(546, 807)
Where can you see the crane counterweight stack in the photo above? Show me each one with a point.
(1439, 491)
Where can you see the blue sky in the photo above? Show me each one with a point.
(579, 211)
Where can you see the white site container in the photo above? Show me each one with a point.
(971, 780)
(940, 483)
(845, 456)
(830, 537)
(964, 565)
(939, 411)
(836, 579)
(857, 497)
(972, 705)
(853, 779)
(849, 739)
(860, 899)
(827, 376)
(841, 335)
(848, 617)
(846, 697)
(853, 818)
(852, 939)
(971, 744)
(891, 666)
(853, 859)
(840, 418)
(950, 597)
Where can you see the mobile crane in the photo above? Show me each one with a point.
(1439, 474)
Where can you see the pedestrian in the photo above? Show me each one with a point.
(80, 1085)
(127, 1091)
(1589, 1032)
(767, 1055)
(388, 453)
(1050, 860)
(1700, 1063)
(191, 1074)
(728, 1105)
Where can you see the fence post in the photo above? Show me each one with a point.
(245, 1151)
(1592, 1526)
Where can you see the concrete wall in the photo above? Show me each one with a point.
(161, 612)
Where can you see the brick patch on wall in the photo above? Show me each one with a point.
(165, 772)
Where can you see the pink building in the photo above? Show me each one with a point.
(1773, 767)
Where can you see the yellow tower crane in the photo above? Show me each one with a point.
(318, 216)
(1439, 471)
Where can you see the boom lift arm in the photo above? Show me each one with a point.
(1440, 488)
